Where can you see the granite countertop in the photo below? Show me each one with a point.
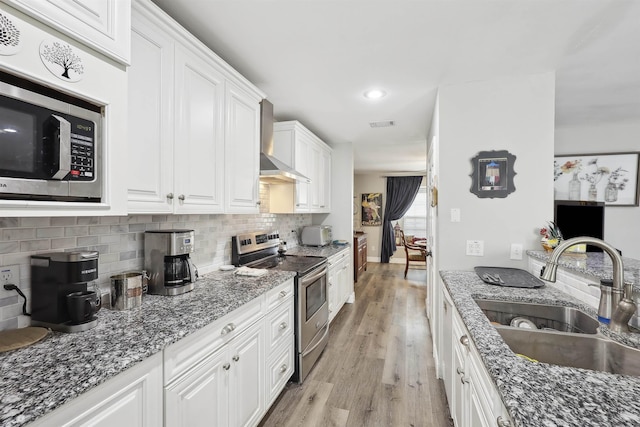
(540, 394)
(39, 378)
(597, 264)
(326, 251)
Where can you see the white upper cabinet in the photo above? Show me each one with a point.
(151, 124)
(193, 124)
(300, 149)
(242, 150)
(199, 140)
(104, 25)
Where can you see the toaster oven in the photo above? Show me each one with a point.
(316, 235)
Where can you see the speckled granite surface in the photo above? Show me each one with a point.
(540, 394)
(39, 378)
(596, 264)
(326, 251)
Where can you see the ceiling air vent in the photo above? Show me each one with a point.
(382, 124)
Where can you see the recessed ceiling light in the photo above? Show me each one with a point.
(374, 94)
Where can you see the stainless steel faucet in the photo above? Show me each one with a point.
(621, 293)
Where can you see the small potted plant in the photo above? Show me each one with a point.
(551, 236)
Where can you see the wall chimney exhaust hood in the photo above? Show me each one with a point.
(272, 170)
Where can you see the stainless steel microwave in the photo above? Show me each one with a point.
(50, 144)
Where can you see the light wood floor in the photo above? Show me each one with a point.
(378, 368)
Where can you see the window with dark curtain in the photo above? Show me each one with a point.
(401, 191)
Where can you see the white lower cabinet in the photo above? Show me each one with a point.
(340, 279)
(223, 389)
(473, 398)
(230, 372)
(133, 398)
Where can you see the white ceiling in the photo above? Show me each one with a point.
(316, 58)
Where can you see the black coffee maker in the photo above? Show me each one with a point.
(60, 299)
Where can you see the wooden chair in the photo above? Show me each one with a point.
(413, 253)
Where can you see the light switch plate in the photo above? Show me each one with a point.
(475, 247)
(455, 214)
(516, 251)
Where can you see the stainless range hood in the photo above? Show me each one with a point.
(272, 170)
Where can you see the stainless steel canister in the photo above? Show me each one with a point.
(126, 290)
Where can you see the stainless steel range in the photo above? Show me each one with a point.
(260, 250)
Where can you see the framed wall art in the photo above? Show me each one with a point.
(371, 209)
(611, 178)
(492, 175)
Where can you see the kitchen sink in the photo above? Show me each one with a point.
(543, 316)
(574, 350)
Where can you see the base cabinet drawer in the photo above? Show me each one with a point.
(279, 369)
(279, 326)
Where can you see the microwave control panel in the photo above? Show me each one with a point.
(82, 150)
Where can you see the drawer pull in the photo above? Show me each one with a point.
(283, 368)
(464, 340)
(503, 423)
(226, 366)
(283, 325)
(235, 358)
(229, 328)
(283, 294)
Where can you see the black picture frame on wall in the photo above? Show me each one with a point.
(492, 174)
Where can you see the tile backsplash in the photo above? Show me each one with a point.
(120, 241)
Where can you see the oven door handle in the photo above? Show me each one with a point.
(326, 332)
(312, 277)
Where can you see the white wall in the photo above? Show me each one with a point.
(621, 222)
(511, 113)
(341, 216)
(369, 183)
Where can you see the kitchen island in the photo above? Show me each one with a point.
(539, 394)
(42, 377)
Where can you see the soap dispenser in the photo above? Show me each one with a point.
(605, 309)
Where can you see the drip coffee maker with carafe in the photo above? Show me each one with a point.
(168, 262)
(61, 294)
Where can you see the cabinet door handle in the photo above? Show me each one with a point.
(226, 366)
(170, 196)
(464, 340)
(502, 422)
(228, 328)
(258, 203)
(283, 368)
(283, 325)
(283, 294)
(459, 371)
(464, 380)
(181, 197)
(235, 358)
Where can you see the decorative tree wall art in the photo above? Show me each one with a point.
(9, 36)
(62, 60)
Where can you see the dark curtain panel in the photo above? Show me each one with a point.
(401, 191)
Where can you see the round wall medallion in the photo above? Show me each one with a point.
(62, 60)
(9, 36)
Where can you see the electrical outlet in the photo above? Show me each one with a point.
(10, 274)
(475, 247)
(516, 251)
